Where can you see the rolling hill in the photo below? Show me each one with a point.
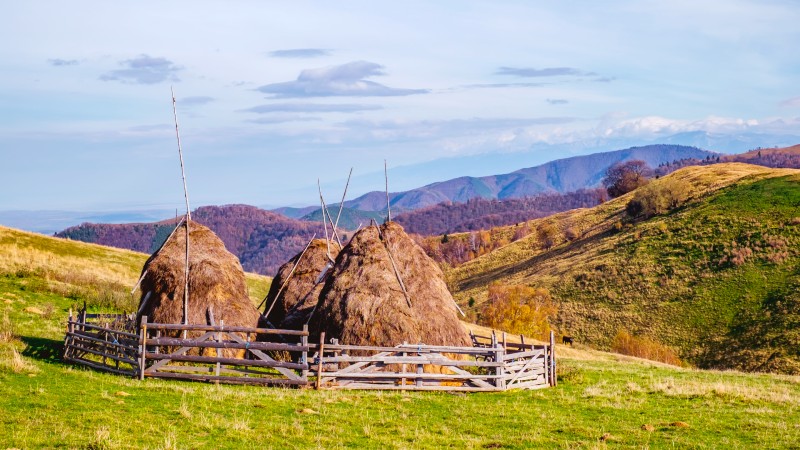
(716, 278)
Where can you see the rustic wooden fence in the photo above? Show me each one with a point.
(244, 355)
(420, 367)
(103, 342)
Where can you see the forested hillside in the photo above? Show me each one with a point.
(261, 239)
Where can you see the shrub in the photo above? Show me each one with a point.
(642, 347)
(658, 198)
(519, 310)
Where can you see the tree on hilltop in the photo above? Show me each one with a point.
(624, 177)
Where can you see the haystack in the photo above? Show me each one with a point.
(217, 287)
(295, 294)
(362, 302)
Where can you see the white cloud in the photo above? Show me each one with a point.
(344, 80)
(143, 69)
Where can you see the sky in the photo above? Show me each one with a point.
(272, 96)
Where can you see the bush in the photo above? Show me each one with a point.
(642, 347)
(658, 198)
(519, 310)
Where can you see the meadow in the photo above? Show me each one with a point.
(602, 400)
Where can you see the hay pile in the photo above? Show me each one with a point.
(216, 282)
(300, 293)
(362, 302)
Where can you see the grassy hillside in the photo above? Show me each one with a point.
(715, 278)
(602, 399)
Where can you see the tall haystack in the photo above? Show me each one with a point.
(362, 302)
(295, 293)
(217, 286)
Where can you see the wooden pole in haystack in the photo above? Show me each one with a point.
(324, 222)
(341, 204)
(388, 207)
(188, 214)
(327, 213)
(286, 281)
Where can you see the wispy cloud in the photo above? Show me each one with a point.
(344, 80)
(791, 102)
(283, 119)
(528, 72)
(195, 101)
(58, 62)
(557, 101)
(144, 69)
(311, 108)
(503, 85)
(300, 53)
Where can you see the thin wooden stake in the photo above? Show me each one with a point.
(324, 222)
(321, 352)
(188, 213)
(286, 281)
(330, 219)
(341, 204)
(388, 206)
(394, 266)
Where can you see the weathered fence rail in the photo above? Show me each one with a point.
(262, 356)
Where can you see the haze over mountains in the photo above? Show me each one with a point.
(559, 176)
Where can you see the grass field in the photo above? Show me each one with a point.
(602, 400)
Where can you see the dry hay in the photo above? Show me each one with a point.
(300, 291)
(362, 302)
(216, 282)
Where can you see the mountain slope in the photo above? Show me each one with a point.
(563, 175)
(715, 278)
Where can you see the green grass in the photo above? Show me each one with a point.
(602, 400)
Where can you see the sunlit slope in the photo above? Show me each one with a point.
(715, 278)
(102, 275)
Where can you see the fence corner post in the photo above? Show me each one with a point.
(142, 346)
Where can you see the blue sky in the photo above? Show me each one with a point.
(273, 95)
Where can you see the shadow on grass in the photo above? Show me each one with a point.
(43, 349)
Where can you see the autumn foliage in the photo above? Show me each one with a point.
(642, 347)
(519, 310)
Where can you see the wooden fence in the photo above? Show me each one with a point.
(244, 355)
(103, 342)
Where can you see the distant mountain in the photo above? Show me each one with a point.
(351, 218)
(262, 240)
(563, 175)
(296, 213)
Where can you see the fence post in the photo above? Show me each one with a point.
(304, 355)
(143, 346)
(68, 338)
(499, 351)
(219, 350)
(553, 381)
(321, 353)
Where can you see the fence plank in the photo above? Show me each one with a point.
(226, 379)
(227, 361)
